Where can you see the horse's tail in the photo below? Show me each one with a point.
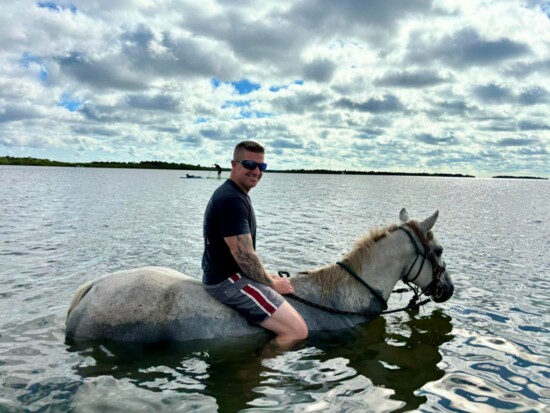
(79, 295)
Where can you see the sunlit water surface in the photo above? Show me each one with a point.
(487, 349)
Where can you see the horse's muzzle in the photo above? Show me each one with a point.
(441, 290)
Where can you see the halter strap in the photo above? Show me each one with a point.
(372, 290)
(419, 253)
(405, 229)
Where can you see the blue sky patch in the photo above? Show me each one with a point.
(29, 58)
(53, 6)
(236, 104)
(243, 86)
(256, 115)
(69, 103)
(276, 88)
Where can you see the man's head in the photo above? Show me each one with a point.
(247, 174)
(249, 146)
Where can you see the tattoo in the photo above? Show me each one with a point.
(249, 262)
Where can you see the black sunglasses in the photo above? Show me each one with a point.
(251, 165)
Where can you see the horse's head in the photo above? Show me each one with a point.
(428, 270)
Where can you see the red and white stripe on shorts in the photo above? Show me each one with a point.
(234, 278)
(261, 300)
(255, 295)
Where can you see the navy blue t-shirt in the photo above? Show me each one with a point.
(229, 212)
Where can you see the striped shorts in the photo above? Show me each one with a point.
(253, 300)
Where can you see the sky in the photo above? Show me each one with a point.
(394, 85)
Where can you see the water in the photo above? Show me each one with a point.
(487, 349)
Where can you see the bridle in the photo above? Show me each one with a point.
(426, 253)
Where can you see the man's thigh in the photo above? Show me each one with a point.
(253, 300)
(286, 321)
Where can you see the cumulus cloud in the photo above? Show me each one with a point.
(467, 48)
(411, 79)
(493, 94)
(383, 104)
(396, 85)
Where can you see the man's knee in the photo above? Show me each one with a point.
(298, 329)
(302, 330)
(287, 322)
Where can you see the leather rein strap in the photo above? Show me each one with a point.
(413, 302)
(375, 293)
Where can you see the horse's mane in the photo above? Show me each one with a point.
(332, 275)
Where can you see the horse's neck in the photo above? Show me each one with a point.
(380, 266)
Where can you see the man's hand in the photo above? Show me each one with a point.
(282, 285)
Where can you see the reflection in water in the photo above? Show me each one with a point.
(379, 364)
(408, 358)
(402, 357)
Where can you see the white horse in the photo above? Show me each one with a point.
(155, 304)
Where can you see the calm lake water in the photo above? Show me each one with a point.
(485, 350)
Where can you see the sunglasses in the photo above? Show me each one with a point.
(251, 165)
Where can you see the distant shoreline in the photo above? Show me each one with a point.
(518, 177)
(28, 161)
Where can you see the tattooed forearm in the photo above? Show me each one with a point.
(248, 260)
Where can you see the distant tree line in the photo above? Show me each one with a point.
(518, 177)
(8, 160)
(346, 172)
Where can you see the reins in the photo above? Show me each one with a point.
(375, 293)
(413, 303)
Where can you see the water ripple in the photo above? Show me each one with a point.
(488, 349)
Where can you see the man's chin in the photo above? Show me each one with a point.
(253, 181)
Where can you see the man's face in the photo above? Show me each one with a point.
(246, 178)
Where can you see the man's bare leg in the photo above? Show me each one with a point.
(288, 324)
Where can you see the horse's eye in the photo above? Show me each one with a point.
(438, 251)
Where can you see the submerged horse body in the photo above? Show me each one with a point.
(155, 303)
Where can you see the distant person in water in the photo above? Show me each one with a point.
(232, 271)
(219, 169)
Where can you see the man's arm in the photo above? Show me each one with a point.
(242, 249)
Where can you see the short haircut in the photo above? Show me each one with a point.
(247, 146)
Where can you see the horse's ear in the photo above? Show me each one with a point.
(403, 215)
(428, 223)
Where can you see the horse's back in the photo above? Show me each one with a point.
(148, 304)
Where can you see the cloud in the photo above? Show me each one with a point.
(286, 144)
(493, 94)
(93, 130)
(383, 104)
(100, 74)
(527, 125)
(454, 107)
(161, 102)
(340, 84)
(534, 96)
(507, 142)
(299, 103)
(320, 70)
(430, 139)
(466, 48)
(411, 79)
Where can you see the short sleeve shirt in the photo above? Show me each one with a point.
(228, 213)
